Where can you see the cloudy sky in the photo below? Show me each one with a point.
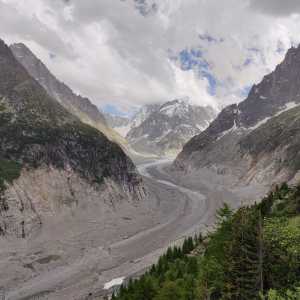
(126, 53)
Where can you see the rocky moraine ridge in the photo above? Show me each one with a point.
(49, 160)
(257, 140)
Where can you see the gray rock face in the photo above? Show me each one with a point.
(167, 127)
(276, 90)
(273, 149)
(242, 139)
(36, 132)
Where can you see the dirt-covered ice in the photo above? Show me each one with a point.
(75, 257)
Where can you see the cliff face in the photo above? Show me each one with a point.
(277, 90)
(37, 133)
(256, 123)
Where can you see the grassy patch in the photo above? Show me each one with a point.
(9, 171)
(295, 222)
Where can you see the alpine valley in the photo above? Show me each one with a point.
(94, 205)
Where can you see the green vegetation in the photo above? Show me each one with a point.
(37, 131)
(173, 277)
(254, 253)
(9, 171)
(86, 150)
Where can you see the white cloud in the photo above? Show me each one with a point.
(113, 54)
(187, 83)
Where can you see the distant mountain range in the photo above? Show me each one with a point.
(162, 129)
(124, 124)
(257, 140)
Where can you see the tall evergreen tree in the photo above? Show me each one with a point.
(243, 277)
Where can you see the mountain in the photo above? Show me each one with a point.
(143, 114)
(115, 121)
(52, 164)
(272, 150)
(118, 123)
(228, 143)
(124, 124)
(77, 105)
(167, 127)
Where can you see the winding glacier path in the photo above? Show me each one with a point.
(132, 255)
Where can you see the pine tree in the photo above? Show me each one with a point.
(244, 274)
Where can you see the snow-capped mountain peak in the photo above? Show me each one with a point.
(175, 107)
(165, 128)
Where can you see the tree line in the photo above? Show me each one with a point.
(253, 253)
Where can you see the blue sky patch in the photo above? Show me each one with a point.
(113, 110)
(193, 59)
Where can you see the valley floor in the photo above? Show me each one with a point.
(78, 266)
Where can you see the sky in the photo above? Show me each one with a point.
(126, 53)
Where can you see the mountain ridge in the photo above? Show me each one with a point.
(77, 105)
(41, 137)
(219, 145)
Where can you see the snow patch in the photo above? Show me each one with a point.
(201, 128)
(263, 97)
(290, 105)
(179, 108)
(233, 128)
(258, 124)
(115, 282)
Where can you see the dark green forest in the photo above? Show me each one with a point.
(253, 253)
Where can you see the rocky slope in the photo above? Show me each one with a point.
(168, 127)
(227, 144)
(77, 105)
(272, 150)
(51, 162)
